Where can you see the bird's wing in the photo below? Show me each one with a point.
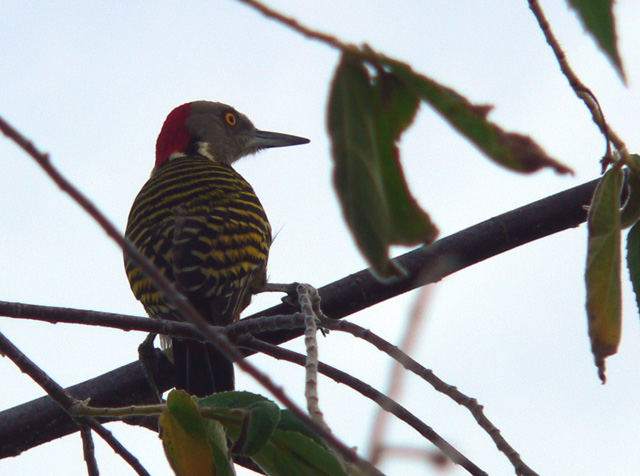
(155, 244)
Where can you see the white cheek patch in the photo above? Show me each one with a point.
(205, 150)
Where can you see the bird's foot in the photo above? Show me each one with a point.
(145, 355)
(290, 289)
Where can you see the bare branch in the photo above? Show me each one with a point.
(307, 294)
(116, 446)
(397, 377)
(55, 315)
(430, 264)
(297, 26)
(47, 420)
(88, 450)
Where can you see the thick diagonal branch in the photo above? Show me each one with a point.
(339, 299)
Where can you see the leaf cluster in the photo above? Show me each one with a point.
(194, 434)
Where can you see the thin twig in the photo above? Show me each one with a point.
(121, 412)
(89, 451)
(116, 446)
(55, 315)
(305, 292)
(27, 366)
(409, 339)
(368, 391)
(452, 392)
(579, 88)
(297, 26)
(365, 53)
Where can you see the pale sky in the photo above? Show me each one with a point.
(92, 82)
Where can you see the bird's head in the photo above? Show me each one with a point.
(215, 131)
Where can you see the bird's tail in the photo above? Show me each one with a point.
(201, 369)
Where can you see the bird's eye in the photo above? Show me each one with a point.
(230, 118)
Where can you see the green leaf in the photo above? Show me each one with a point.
(514, 151)
(395, 109)
(290, 448)
(604, 295)
(366, 117)
(231, 400)
(185, 440)
(294, 454)
(633, 260)
(629, 212)
(370, 106)
(220, 450)
(253, 418)
(289, 422)
(262, 420)
(597, 18)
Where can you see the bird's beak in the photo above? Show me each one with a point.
(264, 139)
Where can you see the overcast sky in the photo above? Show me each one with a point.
(92, 82)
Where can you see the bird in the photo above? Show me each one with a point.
(202, 225)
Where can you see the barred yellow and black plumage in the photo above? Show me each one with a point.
(203, 226)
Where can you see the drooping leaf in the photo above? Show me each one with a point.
(185, 440)
(365, 119)
(395, 109)
(396, 105)
(602, 276)
(356, 175)
(514, 151)
(597, 18)
(370, 105)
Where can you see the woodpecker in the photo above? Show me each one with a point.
(200, 222)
